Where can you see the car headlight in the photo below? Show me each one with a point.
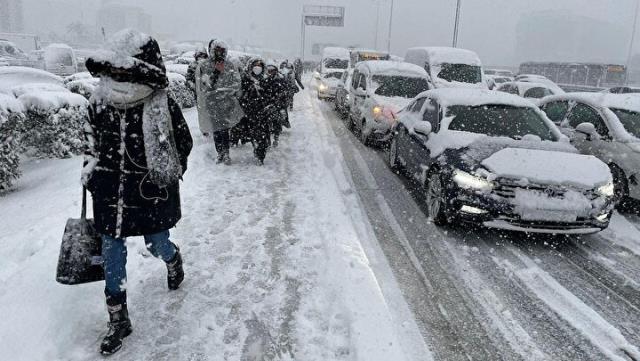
(606, 190)
(469, 181)
(377, 111)
(322, 87)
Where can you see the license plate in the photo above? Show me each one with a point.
(545, 215)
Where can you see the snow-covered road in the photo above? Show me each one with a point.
(486, 295)
(277, 261)
(322, 254)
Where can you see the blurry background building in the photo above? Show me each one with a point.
(11, 16)
(562, 36)
(114, 16)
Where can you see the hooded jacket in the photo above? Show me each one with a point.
(125, 201)
(217, 95)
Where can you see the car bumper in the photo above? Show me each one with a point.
(500, 213)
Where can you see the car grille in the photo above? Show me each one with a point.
(579, 224)
(507, 190)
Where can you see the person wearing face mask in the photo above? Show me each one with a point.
(137, 144)
(217, 89)
(254, 101)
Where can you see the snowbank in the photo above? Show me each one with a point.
(177, 68)
(178, 88)
(12, 76)
(37, 87)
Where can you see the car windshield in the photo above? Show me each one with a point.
(336, 63)
(461, 73)
(55, 57)
(399, 86)
(333, 75)
(630, 120)
(499, 121)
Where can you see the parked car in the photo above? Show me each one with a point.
(622, 90)
(529, 90)
(379, 89)
(495, 159)
(342, 93)
(334, 58)
(448, 67)
(499, 72)
(606, 126)
(12, 76)
(328, 84)
(60, 59)
(493, 81)
(12, 55)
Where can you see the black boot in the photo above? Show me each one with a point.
(119, 324)
(175, 273)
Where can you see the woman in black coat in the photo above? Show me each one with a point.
(137, 148)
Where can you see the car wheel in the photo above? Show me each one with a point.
(394, 164)
(436, 200)
(364, 137)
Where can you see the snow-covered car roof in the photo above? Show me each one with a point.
(391, 68)
(11, 76)
(58, 46)
(336, 53)
(605, 100)
(523, 86)
(475, 97)
(177, 68)
(447, 55)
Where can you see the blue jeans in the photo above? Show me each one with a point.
(114, 253)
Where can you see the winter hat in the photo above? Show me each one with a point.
(130, 56)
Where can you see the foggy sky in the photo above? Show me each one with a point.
(487, 26)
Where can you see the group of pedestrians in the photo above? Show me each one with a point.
(138, 142)
(240, 104)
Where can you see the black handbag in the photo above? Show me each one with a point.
(80, 259)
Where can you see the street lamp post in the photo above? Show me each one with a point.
(456, 27)
(390, 28)
(633, 38)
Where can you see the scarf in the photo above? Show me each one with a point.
(163, 163)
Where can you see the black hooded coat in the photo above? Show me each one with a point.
(125, 202)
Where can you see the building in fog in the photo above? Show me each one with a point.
(11, 16)
(113, 17)
(561, 36)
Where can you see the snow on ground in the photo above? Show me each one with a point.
(274, 261)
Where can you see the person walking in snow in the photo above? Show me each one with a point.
(137, 147)
(218, 88)
(254, 102)
(277, 91)
(298, 69)
(191, 71)
(288, 72)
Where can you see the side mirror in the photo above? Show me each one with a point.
(589, 130)
(422, 128)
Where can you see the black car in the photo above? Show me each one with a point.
(495, 159)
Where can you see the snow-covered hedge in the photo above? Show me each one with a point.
(53, 125)
(181, 93)
(11, 123)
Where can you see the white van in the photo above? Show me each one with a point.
(334, 59)
(448, 67)
(60, 59)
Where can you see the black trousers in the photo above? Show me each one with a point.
(222, 141)
(260, 135)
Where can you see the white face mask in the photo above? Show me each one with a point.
(285, 71)
(124, 92)
(257, 70)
